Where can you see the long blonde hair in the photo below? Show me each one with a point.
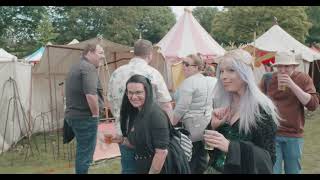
(253, 99)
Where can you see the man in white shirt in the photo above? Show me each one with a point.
(116, 89)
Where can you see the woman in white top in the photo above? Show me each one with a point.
(194, 99)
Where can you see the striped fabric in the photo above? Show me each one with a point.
(185, 143)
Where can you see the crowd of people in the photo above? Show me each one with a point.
(235, 125)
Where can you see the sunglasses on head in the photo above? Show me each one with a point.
(187, 64)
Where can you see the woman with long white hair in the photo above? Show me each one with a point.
(244, 122)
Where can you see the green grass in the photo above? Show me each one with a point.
(47, 161)
(311, 149)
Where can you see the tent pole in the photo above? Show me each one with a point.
(312, 72)
(254, 45)
(50, 88)
(50, 91)
(30, 104)
(105, 84)
(57, 117)
(115, 58)
(318, 67)
(106, 64)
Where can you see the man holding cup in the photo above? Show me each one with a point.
(291, 91)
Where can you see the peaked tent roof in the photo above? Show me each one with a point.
(36, 56)
(186, 37)
(315, 49)
(6, 57)
(74, 41)
(276, 39)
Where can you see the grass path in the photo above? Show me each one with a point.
(43, 162)
(311, 150)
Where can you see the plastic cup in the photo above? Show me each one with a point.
(281, 86)
(206, 146)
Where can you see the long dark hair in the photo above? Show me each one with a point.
(128, 113)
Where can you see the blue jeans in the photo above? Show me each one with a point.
(128, 163)
(85, 130)
(289, 151)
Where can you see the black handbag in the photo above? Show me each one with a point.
(68, 133)
(182, 136)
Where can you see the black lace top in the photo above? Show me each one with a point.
(262, 137)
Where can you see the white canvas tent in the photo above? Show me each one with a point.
(6, 57)
(74, 41)
(47, 99)
(15, 81)
(276, 40)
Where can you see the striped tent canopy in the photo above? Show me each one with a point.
(36, 56)
(186, 37)
(261, 56)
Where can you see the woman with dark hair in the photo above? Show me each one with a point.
(146, 128)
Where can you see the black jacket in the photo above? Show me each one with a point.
(246, 158)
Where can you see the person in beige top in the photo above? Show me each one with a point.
(291, 91)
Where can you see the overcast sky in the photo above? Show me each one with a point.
(178, 10)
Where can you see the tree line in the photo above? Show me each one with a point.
(238, 23)
(24, 29)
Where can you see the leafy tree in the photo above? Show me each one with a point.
(6, 21)
(78, 22)
(156, 22)
(205, 16)
(238, 23)
(122, 24)
(119, 24)
(128, 22)
(22, 28)
(314, 32)
(45, 31)
(18, 24)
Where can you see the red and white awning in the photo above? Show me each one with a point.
(186, 37)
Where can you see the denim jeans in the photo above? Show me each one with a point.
(85, 130)
(288, 151)
(128, 163)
